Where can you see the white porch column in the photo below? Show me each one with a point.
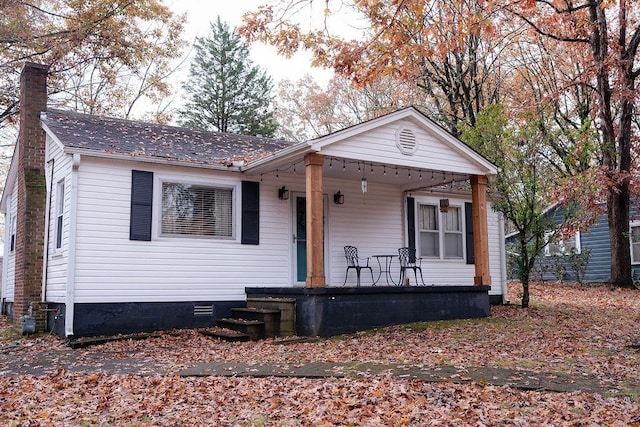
(480, 229)
(315, 211)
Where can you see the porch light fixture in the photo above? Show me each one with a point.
(444, 205)
(338, 198)
(283, 193)
(364, 184)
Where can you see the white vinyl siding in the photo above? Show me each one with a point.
(58, 222)
(112, 268)
(10, 263)
(373, 222)
(430, 152)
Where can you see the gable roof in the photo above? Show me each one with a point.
(106, 136)
(412, 113)
(325, 144)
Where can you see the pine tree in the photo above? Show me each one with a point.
(227, 93)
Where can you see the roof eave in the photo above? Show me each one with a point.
(267, 163)
(154, 160)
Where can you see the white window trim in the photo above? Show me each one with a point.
(459, 204)
(12, 223)
(59, 214)
(578, 244)
(180, 179)
(633, 224)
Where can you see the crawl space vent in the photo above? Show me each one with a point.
(203, 310)
(406, 141)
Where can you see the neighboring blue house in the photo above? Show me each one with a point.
(592, 246)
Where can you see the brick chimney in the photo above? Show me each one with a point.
(31, 204)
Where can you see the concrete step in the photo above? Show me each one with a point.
(270, 318)
(253, 328)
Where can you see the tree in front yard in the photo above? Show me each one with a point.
(603, 37)
(226, 92)
(524, 186)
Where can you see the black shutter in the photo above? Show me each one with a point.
(250, 213)
(141, 205)
(468, 222)
(411, 222)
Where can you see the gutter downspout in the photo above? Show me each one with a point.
(503, 261)
(71, 254)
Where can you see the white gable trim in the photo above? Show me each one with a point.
(410, 113)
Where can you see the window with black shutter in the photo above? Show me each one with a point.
(141, 205)
(250, 213)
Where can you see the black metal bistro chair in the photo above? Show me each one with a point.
(354, 262)
(408, 261)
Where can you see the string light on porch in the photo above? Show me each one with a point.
(447, 182)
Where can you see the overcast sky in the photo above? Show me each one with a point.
(200, 13)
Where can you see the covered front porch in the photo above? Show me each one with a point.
(396, 181)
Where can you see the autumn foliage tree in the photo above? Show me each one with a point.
(447, 48)
(305, 110)
(103, 56)
(572, 64)
(604, 37)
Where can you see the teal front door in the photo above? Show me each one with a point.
(300, 238)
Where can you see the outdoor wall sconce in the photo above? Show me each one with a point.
(338, 198)
(283, 193)
(444, 205)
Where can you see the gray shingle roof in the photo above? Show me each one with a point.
(154, 141)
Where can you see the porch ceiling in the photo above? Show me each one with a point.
(375, 172)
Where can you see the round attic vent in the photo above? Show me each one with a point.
(406, 141)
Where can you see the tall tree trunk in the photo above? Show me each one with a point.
(525, 292)
(618, 211)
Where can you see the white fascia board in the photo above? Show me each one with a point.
(52, 135)
(280, 157)
(117, 156)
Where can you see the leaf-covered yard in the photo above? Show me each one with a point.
(581, 331)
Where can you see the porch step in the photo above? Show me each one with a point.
(270, 318)
(286, 307)
(227, 335)
(253, 328)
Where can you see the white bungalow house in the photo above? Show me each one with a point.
(142, 226)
